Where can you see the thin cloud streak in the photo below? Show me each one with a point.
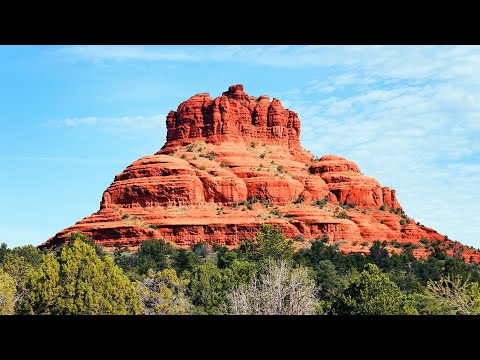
(413, 133)
(139, 122)
(424, 62)
(58, 158)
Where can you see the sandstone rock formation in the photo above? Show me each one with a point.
(234, 162)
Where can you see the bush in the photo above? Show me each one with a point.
(348, 206)
(271, 243)
(324, 239)
(154, 254)
(208, 287)
(209, 156)
(299, 237)
(276, 212)
(185, 260)
(200, 249)
(163, 293)
(280, 168)
(7, 293)
(34, 256)
(383, 207)
(320, 202)
(252, 200)
(153, 226)
(262, 156)
(125, 216)
(298, 200)
(402, 222)
(373, 293)
(79, 282)
(342, 215)
(202, 167)
(183, 156)
(265, 202)
(225, 165)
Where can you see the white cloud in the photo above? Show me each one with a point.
(59, 159)
(395, 62)
(408, 115)
(126, 123)
(122, 53)
(413, 125)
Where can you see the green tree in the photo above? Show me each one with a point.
(200, 249)
(208, 287)
(4, 250)
(406, 281)
(451, 295)
(42, 288)
(225, 258)
(163, 293)
(20, 270)
(328, 281)
(242, 271)
(431, 269)
(30, 253)
(372, 293)
(378, 253)
(271, 243)
(154, 254)
(185, 260)
(7, 293)
(128, 262)
(247, 248)
(79, 281)
(78, 235)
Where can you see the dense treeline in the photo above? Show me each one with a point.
(265, 276)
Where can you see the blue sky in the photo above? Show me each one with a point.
(75, 116)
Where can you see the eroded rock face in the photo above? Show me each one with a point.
(233, 117)
(234, 162)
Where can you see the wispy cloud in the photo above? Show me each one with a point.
(59, 159)
(409, 120)
(125, 123)
(98, 53)
(408, 115)
(396, 62)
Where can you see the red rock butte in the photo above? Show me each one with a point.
(235, 162)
